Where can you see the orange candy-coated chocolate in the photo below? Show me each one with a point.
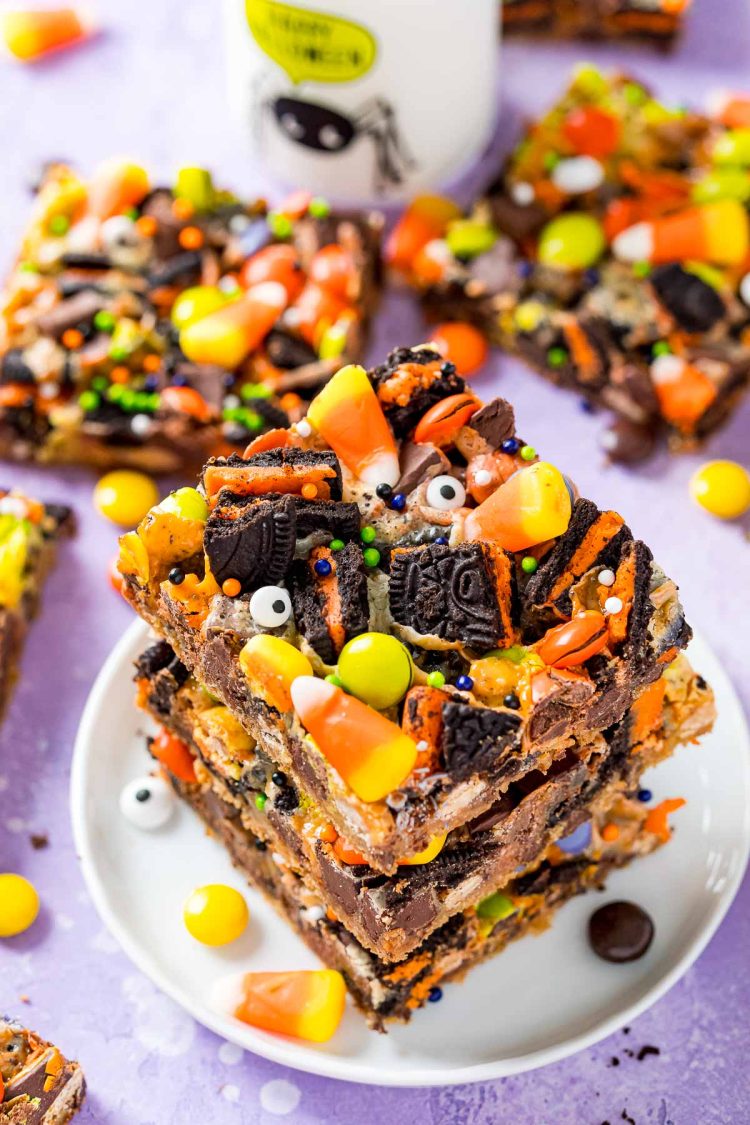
(186, 400)
(425, 219)
(173, 753)
(442, 421)
(371, 753)
(315, 310)
(462, 344)
(275, 263)
(332, 269)
(592, 131)
(575, 641)
(306, 1004)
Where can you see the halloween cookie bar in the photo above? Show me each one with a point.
(153, 326)
(402, 605)
(612, 254)
(392, 917)
(37, 1085)
(657, 21)
(29, 531)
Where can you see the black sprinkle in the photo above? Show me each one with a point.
(647, 1050)
(39, 840)
(614, 1061)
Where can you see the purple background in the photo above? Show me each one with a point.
(152, 87)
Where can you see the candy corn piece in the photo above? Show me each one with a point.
(307, 1004)
(683, 390)
(531, 507)
(371, 753)
(347, 414)
(425, 219)
(714, 232)
(731, 109)
(271, 665)
(225, 337)
(34, 33)
(115, 186)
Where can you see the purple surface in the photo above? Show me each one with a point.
(152, 87)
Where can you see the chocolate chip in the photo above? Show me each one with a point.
(695, 305)
(628, 442)
(620, 932)
(257, 547)
(495, 422)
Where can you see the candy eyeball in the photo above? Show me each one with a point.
(271, 607)
(147, 802)
(124, 243)
(445, 493)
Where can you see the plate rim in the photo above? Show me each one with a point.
(288, 1052)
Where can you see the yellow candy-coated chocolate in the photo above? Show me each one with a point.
(272, 665)
(19, 904)
(376, 668)
(215, 914)
(125, 496)
(722, 488)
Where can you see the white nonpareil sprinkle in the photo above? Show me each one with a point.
(49, 390)
(14, 506)
(231, 402)
(239, 223)
(606, 577)
(745, 289)
(579, 173)
(303, 428)
(522, 193)
(314, 913)
(423, 745)
(482, 477)
(141, 424)
(612, 605)
(667, 369)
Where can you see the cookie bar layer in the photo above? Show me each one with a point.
(384, 991)
(99, 358)
(656, 21)
(391, 917)
(39, 1086)
(29, 532)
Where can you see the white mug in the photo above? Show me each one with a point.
(364, 100)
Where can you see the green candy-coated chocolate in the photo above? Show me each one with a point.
(467, 238)
(376, 668)
(571, 242)
(187, 504)
(496, 907)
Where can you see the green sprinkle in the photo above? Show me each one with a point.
(641, 269)
(260, 801)
(336, 544)
(154, 401)
(132, 213)
(528, 453)
(371, 556)
(332, 678)
(319, 207)
(88, 400)
(252, 420)
(115, 392)
(661, 347)
(436, 679)
(367, 534)
(232, 413)
(118, 353)
(529, 564)
(59, 224)
(496, 907)
(556, 357)
(550, 160)
(255, 390)
(127, 399)
(279, 225)
(104, 321)
(100, 382)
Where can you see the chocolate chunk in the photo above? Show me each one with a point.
(495, 422)
(416, 462)
(70, 313)
(257, 547)
(184, 268)
(410, 382)
(695, 305)
(327, 623)
(287, 351)
(474, 738)
(13, 369)
(516, 219)
(447, 592)
(85, 261)
(620, 932)
(153, 659)
(628, 442)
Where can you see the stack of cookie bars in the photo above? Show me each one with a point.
(414, 678)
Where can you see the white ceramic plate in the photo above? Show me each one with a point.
(541, 1000)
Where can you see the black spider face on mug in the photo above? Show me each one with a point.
(314, 126)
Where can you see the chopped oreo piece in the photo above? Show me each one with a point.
(475, 738)
(339, 520)
(274, 470)
(327, 622)
(256, 547)
(184, 268)
(13, 368)
(452, 593)
(695, 305)
(418, 463)
(287, 351)
(410, 382)
(153, 659)
(495, 422)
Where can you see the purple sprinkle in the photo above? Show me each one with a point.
(150, 383)
(179, 381)
(322, 567)
(464, 683)
(578, 840)
(525, 269)
(510, 445)
(586, 406)
(644, 795)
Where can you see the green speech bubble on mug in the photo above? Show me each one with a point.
(311, 46)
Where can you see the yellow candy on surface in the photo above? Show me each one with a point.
(19, 904)
(196, 302)
(271, 666)
(125, 496)
(722, 488)
(434, 848)
(215, 914)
